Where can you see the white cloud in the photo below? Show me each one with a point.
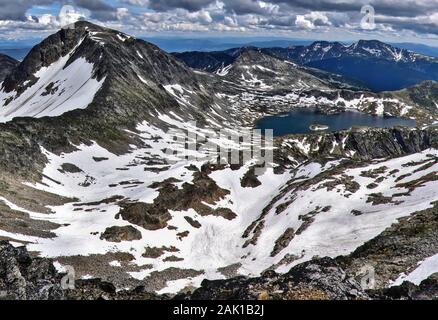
(312, 20)
(200, 16)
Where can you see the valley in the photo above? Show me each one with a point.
(93, 123)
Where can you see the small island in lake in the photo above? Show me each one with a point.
(319, 127)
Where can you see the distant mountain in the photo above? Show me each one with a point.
(254, 66)
(255, 69)
(178, 44)
(379, 66)
(418, 48)
(220, 61)
(323, 50)
(16, 53)
(209, 61)
(6, 65)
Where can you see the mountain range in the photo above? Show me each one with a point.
(90, 124)
(363, 61)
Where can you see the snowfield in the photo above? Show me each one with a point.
(333, 229)
(60, 88)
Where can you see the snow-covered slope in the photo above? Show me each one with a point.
(119, 75)
(60, 88)
(308, 210)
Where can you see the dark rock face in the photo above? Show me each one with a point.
(7, 64)
(96, 289)
(23, 277)
(372, 143)
(145, 216)
(393, 143)
(42, 55)
(427, 290)
(208, 61)
(26, 278)
(283, 241)
(119, 234)
(192, 195)
(316, 280)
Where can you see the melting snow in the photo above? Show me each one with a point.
(59, 89)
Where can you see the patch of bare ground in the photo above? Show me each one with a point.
(158, 279)
(230, 271)
(27, 197)
(154, 253)
(18, 222)
(420, 182)
(98, 266)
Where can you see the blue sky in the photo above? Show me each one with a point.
(395, 21)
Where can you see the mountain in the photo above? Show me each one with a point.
(365, 60)
(424, 94)
(208, 61)
(273, 78)
(323, 50)
(220, 63)
(115, 77)
(178, 44)
(6, 65)
(254, 68)
(113, 160)
(419, 48)
(362, 61)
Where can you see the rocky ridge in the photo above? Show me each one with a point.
(26, 278)
(6, 65)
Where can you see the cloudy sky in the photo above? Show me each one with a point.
(395, 20)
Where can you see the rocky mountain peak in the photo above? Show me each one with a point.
(380, 50)
(6, 65)
(251, 54)
(84, 63)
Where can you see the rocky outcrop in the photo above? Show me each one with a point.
(119, 234)
(399, 249)
(203, 190)
(316, 280)
(427, 290)
(25, 278)
(7, 64)
(323, 279)
(366, 144)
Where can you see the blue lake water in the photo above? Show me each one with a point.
(299, 121)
